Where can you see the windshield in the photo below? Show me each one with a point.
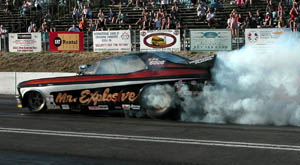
(117, 65)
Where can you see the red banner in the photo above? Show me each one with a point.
(66, 41)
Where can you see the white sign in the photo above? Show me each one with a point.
(211, 40)
(112, 41)
(160, 40)
(25, 42)
(263, 39)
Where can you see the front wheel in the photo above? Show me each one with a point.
(158, 101)
(36, 102)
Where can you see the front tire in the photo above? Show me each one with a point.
(36, 102)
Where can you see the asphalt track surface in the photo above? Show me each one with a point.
(61, 137)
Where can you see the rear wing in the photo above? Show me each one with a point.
(205, 62)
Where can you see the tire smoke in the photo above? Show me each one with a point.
(251, 87)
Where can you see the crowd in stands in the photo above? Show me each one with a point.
(283, 14)
(164, 14)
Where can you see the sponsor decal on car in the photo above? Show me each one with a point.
(99, 107)
(135, 107)
(118, 107)
(88, 97)
(202, 60)
(125, 106)
(156, 61)
(65, 106)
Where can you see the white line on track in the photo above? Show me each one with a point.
(152, 139)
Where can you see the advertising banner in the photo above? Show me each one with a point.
(263, 39)
(160, 40)
(112, 41)
(25, 42)
(210, 40)
(66, 41)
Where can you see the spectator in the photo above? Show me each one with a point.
(130, 3)
(31, 27)
(120, 17)
(240, 3)
(280, 11)
(201, 12)
(92, 26)
(245, 24)
(251, 21)
(229, 22)
(52, 28)
(164, 4)
(268, 20)
(293, 17)
(174, 22)
(101, 16)
(73, 28)
(214, 4)
(111, 16)
(157, 22)
(210, 17)
(48, 17)
(173, 11)
(7, 7)
(3, 36)
(37, 5)
(152, 14)
(25, 9)
(83, 24)
(85, 11)
(75, 14)
(281, 23)
(44, 26)
(259, 19)
(163, 23)
(234, 25)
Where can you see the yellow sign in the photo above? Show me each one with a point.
(69, 42)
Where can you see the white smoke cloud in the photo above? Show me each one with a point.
(251, 87)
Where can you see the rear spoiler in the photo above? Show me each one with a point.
(206, 62)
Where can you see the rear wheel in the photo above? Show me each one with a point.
(36, 102)
(158, 101)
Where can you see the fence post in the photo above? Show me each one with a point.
(134, 38)
(87, 41)
(184, 40)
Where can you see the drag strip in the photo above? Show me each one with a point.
(152, 139)
(66, 138)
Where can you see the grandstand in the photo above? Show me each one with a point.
(62, 16)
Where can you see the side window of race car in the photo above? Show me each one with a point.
(129, 64)
(106, 67)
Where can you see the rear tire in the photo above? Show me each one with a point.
(36, 102)
(158, 101)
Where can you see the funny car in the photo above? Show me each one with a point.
(138, 84)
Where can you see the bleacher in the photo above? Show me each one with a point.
(188, 17)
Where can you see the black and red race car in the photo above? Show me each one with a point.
(139, 84)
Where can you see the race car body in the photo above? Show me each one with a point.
(122, 82)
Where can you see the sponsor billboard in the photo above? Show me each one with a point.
(210, 40)
(66, 41)
(25, 42)
(112, 41)
(160, 40)
(263, 39)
